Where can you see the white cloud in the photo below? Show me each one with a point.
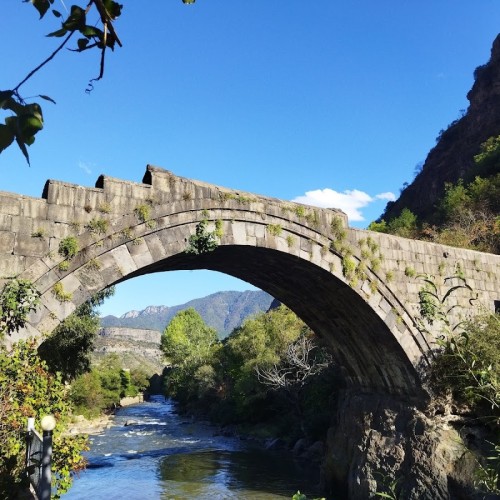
(386, 196)
(86, 167)
(351, 201)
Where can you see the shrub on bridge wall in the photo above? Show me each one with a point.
(68, 247)
(203, 241)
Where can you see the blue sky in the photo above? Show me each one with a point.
(326, 102)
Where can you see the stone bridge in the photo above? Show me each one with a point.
(356, 289)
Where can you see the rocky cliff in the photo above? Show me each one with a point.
(453, 156)
(137, 348)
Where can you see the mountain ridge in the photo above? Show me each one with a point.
(223, 311)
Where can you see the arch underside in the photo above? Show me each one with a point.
(363, 346)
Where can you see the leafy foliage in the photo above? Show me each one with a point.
(104, 385)
(404, 225)
(28, 389)
(467, 216)
(68, 247)
(17, 300)
(187, 339)
(67, 350)
(203, 240)
(227, 381)
(467, 368)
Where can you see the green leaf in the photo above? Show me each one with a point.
(56, 13)
(47, 98)
(76, 20)
(11, 123)
(6, 137)
(58, 33)
(92, 31)
(29, 140)
(5, 95)
(42, 6)
(13, 105)
(29, 125)
(82, 43)
(23, 149)
(114, 9)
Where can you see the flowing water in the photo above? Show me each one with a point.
(161, 455)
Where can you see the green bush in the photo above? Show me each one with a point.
(27, 389)
(17, 300)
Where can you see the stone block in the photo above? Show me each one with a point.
(61, 310)
(11, 266)
(111, 273)
(62, 213)
(155, 246)
(22, 225)
(239, 232)
(5, 222)
(27, 245)
(91, 277)
(10, 204)
(7, 242)
(123, 260)
(140, 254)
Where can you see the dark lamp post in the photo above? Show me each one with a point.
(48, 424)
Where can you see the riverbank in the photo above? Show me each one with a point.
(97, 425)
(82, 425)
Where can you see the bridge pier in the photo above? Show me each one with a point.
(377, 439)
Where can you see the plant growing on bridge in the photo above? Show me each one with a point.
(467, 366)
(203, 240)
(68, 247)
(98, 225)
(17, 300)
(274, 229)
(143, 212)
(60, 294)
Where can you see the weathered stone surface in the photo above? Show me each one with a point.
(377, 439)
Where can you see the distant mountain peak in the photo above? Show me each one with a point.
(223, 311)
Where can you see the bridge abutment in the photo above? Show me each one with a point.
(378, 441)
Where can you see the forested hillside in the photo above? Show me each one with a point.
(458, 147)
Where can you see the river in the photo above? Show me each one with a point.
(163, 455)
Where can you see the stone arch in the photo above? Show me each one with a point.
(371, 334)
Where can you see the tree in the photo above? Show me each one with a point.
(189, 345)
(302, 360)
(187, 340)
(67, 350)
(25, 119)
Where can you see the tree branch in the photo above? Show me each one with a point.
(40, 66)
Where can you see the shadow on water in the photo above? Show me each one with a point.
(255, 470)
